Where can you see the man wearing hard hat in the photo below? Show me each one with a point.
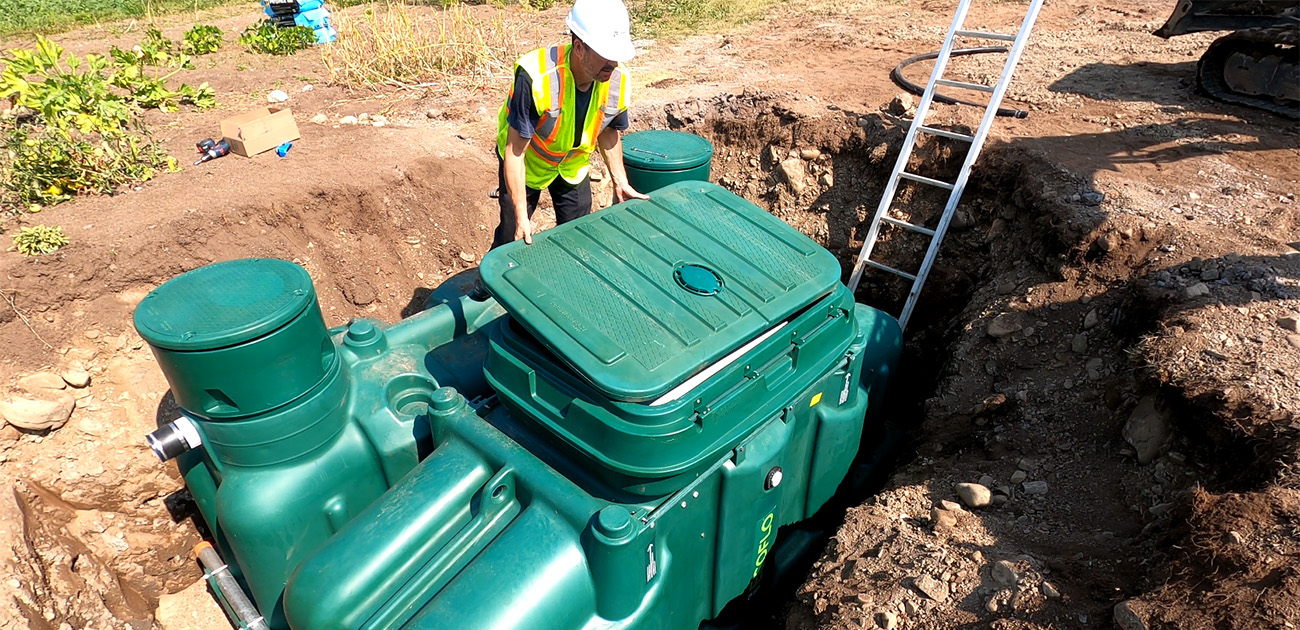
(567, 100)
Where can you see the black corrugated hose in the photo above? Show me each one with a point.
(901, 81)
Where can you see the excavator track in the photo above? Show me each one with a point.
(1257, 67)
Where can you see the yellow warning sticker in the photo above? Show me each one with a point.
(815, 399)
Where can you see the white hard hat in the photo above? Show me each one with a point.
(603, 25)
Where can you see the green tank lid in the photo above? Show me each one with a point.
(660, 150)
(638, 297)
(224, 304)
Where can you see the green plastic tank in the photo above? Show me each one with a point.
(614, 441)
(657, 158)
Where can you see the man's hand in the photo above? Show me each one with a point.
(516, 174)
(623, 191)
(524, 230)
(611, 148)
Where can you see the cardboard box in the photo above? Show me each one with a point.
(259, 130)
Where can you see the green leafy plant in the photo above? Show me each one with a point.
(267, 38)
(149, 90)
(203, 39)
(155, 50)
(33, 241)
(74, 129)
(46, 166)
(71, 93)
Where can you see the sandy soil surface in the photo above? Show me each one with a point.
(1107, 346)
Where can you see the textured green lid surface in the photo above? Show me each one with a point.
(659, 150)
(224, 304)
(608, 295)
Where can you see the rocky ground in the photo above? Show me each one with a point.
(1100, 386)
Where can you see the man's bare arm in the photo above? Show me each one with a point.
(611, 148)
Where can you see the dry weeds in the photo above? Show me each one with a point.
(397, 44)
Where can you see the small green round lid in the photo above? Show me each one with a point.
(224, 304)
(698, 280)
(659, 150)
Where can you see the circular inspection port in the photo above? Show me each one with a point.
(698, 279)
(409, 395)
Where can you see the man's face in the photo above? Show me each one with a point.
(593, 65)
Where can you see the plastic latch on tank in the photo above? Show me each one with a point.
(702, 410)
(833, 313)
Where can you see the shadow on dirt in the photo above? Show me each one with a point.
(1170, 85)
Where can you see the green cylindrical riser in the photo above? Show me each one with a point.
(237, 338)
(283, 435)
(255, 376)
(647, 181)
(657, 158)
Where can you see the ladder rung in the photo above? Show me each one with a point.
(925, 180)
(908, 226)
(872, 263)
(986, 35)
(966, 86)
(947, 134)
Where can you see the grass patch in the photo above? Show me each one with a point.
(48, 16)
(677, 17)
(397, 44)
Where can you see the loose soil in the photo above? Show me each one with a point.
(1103, 343)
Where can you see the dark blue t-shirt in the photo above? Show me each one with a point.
(523, 116)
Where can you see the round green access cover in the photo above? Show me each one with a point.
(698, 280)
(224, 304)
(659, 150)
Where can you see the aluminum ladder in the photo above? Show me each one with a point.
(918, 127)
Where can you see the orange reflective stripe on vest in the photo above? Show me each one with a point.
(551, 151)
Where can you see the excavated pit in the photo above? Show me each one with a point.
(1030, 356)
(993, 374)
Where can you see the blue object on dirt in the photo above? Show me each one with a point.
(283, 149)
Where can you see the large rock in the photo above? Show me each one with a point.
(942, 518)
(191, 609)
(41, 383)
(1290, 323)
(792, 171)
(76, 377)
(1005, 325)
(932, 588)
(37, 415)
(1090, 319)
(974, 494)
(1147, 429)
(886, 620)
(1127, 618)
(1004, 573)
(901, 105)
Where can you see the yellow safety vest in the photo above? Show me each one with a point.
(551, 152)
